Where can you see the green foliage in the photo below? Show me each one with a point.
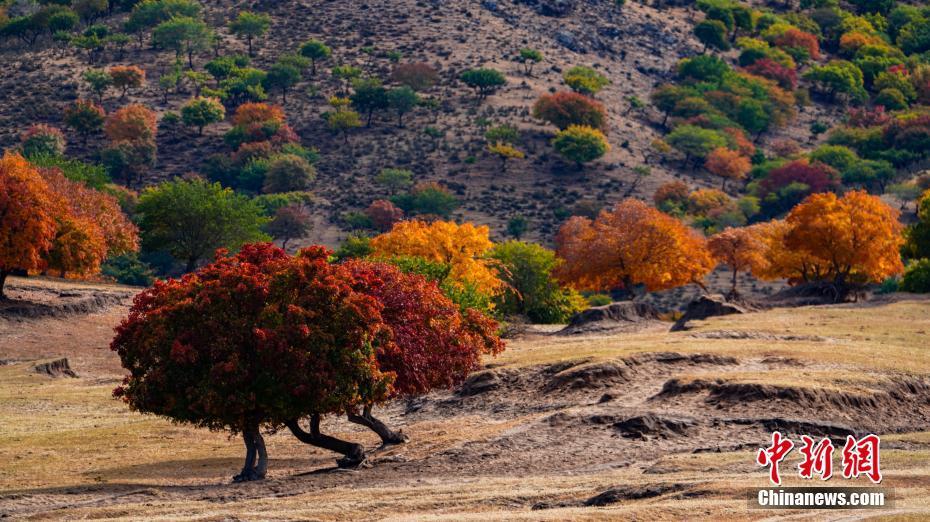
(98, 80)
(585, 80)
(128, 269)
(270, 203)
(713, 34)
(90, 174)
(702, 68)
(369, 96)
(183, 35)
(917, 277)
(284, 74)
(838, 78)
(530, 288)
(200, 112)
(517, 226)
(223, 67)
(502, 134)
(427, 199)
(483, 81)
(250, 25)
(464, 294)
(529, 57)
(288, 173)
(580, 144)
(355, 246)
(599, 300)
(191, 219)
(316, 51)
(402, 100)
(395, 179)
(695, 142)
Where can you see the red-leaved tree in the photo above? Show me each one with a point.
(564, 109)
(256, 340)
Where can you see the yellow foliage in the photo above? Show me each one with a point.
(463, 247)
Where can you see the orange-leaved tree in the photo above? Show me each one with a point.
(741, 249)
(27, 220)
(841, 241)
(101, 211)
(728, 164)
(630, 245)
(463, 248)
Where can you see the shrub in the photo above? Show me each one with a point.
(383, 214)
(85, 117)
(917, 277)
(427, 199)
(585, 80)
(529, 57)
(712, 33)
(530, 288)
(417, 76)
(42, 140)
(580, 144)
(564, 109)
(288, 173)
(131, 123)
(128, 269)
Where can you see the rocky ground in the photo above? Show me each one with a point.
(638, 423)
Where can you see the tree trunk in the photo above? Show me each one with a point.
(3, 276)
(191, 264)
(354, 454)
(250, 46)
(254, 447)
(388, 436)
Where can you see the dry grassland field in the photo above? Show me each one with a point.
(536, 435)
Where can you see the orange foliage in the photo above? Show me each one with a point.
(740, 142)
(27, 222)
(79, 247)
(728, 164)
(126, 77)
(101, 210)
(676, 191)
(250, 113)
(630, 245)
(462, 247)
(133, 122)
(851, 239)
(703, 201)
(797, 38)
(740, 249)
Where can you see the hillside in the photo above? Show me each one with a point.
(636, 47)
(665, 425)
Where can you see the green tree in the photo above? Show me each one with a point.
(838, 78)
(483, 81)
(530, 289)
(316, 51)
(529, 58)
(343, 121)
(288, 173)
(183, 35)
(402, 100)
(191, 219)
(99, 81)
(369, 96)
(283, 75)
(580, 144)
(395, 179)
(250, 25)
(200, 112)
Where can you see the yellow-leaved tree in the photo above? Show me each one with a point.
(463, 248)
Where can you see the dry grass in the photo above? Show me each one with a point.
(69, 451)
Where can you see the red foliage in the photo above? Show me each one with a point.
(257, 338)
(817, 176)
(384, 214)
(786, 77)
(797, 38)
(563, 109)
(433, 344)
(867, 117)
